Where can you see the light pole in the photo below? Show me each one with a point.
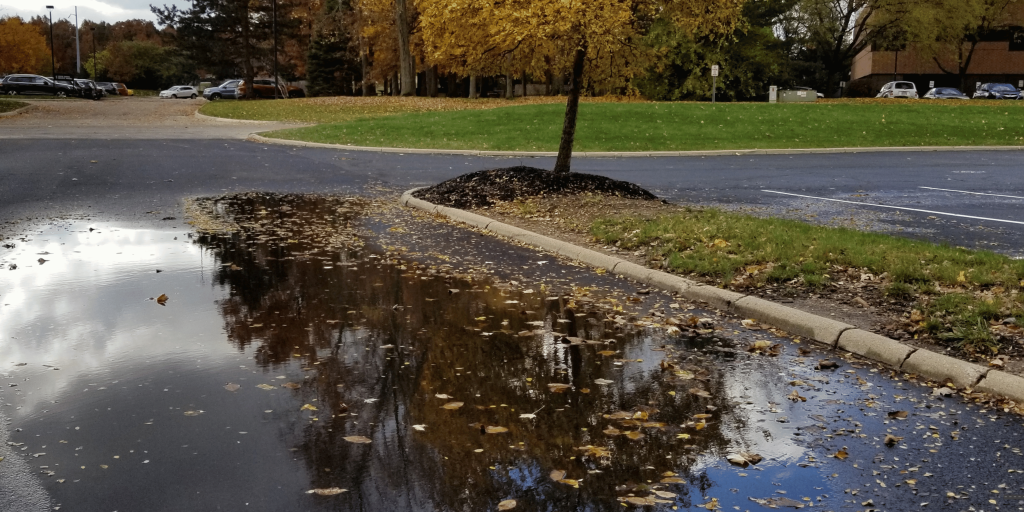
(94, 74)
(53, 61)
(78, 50)
(277, 89)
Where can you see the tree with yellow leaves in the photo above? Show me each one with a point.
(597, 41)
(22, 47)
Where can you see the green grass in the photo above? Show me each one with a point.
(957, 289)
(645, 126)
(9, 105)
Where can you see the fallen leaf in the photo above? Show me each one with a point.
(700, 392)
(558, 388)
(308, 407)
(571, 482)
(162, 299)
(557, 475)
(358, 439)
(891, 440)
(665, 494)
(943, 391)
(232, 387)
(443, 396)
(635, 434)
(841, 454)
(899, 415)
(452, 405)
(825, 364)
(495, 430)
(291, 385)
(744, 459)
(636, 500)
(507, 505)
(265, 386)
(603, 381)
(751, 324)
(673, 480)
(607, 353)
(330, 491)
(193, 413)
(795, 396)
(612, 431)
(421, 428)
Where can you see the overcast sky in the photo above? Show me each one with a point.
(96, 10)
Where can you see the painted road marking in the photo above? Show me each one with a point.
(895, 207)
(967, 192)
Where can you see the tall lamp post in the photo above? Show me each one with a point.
(94, 74)
(78, 50)
(53, 61)
(277, 88)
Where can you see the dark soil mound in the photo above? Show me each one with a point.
(484, 188)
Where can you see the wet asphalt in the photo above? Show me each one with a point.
(964, 198)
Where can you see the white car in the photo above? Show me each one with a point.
(180, 91)
(898, 90)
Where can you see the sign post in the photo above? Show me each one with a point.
(714, 81)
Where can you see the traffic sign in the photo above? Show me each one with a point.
(714, 70)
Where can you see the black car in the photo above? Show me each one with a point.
(108, 88)
(87, 89)
(997, 92)
(945, 93)
(35, 84)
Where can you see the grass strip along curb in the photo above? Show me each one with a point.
(933, 366)
(5, 104)
(255, 137)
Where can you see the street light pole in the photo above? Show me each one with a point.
(94, 74)
(53, 61)
(277, 87)
(78, 50)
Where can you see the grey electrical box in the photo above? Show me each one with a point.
(798, 96)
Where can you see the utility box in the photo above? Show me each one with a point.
(798, 96)
(773, 94)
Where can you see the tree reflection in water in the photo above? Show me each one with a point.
(378, 339)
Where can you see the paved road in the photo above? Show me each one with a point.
(150, 160)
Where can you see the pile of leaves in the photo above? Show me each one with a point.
(484, 188)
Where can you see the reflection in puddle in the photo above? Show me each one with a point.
(304, 361)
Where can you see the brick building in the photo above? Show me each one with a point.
(999, 58)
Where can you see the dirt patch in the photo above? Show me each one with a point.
(484, 188)
(850, 298)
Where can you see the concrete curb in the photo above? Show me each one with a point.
(197, 115)
(836, 335)
(16, 111)
(255, 137)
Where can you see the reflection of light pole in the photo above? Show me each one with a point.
(53, 65)
(94, 74)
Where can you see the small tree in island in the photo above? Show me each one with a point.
(596, 42)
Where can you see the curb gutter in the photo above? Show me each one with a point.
(197, 115)
(836, 335)
(255, 137)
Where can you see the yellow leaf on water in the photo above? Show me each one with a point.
(507, 505)
(307, 407)
(607, 353)
(558, 388)
(329, 491)
(265, 386)
(495, 430)
(635, 434)
(291, 385)
(841, 454)
(673, 480)
(573, 483)
(162, 299)
(452, 405)
(557, 475)
(358, 439)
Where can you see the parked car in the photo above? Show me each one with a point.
(122, 90)
(89, 89)
(945, 93)
(108, 88)
(226, 90)
(35, 84)
(264, 88)
(898, 90)
(997, 92)
(180, 91)
(803, 88)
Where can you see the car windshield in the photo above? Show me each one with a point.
(1002, 88)
(947, 90)
(904, 85)
(229, 84)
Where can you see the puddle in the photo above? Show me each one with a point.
(326, 344)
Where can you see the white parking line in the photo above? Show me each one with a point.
(895, 207)
(967, 192)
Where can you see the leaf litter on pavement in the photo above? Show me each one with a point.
(512, 344)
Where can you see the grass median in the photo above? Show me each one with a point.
(649, 126)
(960, 296)
(11, 105)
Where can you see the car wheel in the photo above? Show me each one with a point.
(12, 93)
(215, 96)
(192, 97)
(62, 94)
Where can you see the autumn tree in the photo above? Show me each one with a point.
(22, 47)
(597, 42)
(949, 31)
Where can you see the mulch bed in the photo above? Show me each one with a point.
(484, 188)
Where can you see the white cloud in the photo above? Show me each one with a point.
(94, 10)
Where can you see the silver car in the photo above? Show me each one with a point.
(180, 91)
(898, 90)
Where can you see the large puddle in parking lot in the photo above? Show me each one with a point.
(326, 354)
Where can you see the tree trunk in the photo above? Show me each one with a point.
(510, 86)
(364, 61)
(408, 66)
(472, 87)
(395, 87)
(524, 85)
(572, 107)
(431, 79)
